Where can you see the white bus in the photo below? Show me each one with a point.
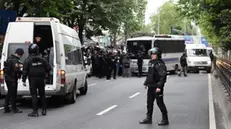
(68, 74)
(172, 49)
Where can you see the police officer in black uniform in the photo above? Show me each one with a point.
(36, 68)
(12, 74)
(45, 52)
(183, 63)
(155, 81)
(140, 64)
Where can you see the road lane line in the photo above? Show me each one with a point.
(107, 80)
(92, 84)
(134, 95)
(9, 106)
(106, 110)
(212, 119)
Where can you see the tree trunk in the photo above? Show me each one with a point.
(16, 6)
(81, 27)
(2, 2)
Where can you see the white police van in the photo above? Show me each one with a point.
(198, 58)
(68, 74)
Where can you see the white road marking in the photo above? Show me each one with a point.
(107, 80)
(9, 106)
(92, 84)
(212, 119)
(134, 95)
(106, 110)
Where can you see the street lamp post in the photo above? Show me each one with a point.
(159, 22)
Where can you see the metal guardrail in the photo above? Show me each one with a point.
(223, 68)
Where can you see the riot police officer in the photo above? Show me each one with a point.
(155, 81)
(183, 63)
(140, 64)
(12, 72)
(36, 68)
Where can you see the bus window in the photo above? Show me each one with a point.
(134, 47)
(170, 46)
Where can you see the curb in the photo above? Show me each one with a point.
(212, 119)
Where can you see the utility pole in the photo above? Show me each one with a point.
(159, 22)
(185, 27)
(39, 8)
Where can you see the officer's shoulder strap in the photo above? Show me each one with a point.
(159, 63)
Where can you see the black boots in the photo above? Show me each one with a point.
(147, 120)
(33, 114)
(164, 120)
(7, 110)
(16, 110)
(44, 112)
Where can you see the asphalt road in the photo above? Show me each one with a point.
(120, 104)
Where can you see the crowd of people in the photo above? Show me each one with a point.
(107, 62)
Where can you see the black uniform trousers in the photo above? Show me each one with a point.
(114, 69)
(140, 69)
(151, 96)
(12, 87)
(38, 85)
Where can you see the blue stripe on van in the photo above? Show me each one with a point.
(170, 59)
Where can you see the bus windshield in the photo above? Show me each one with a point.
(170, 46)
(134, 47)
(197, 52)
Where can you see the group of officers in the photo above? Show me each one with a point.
(106, 63)
(36, 69)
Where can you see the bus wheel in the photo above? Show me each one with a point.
(175, 71)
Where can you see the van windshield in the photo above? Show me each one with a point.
(13, 46)
(197, 52)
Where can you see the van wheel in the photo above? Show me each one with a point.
(83, 90)
(71, 97)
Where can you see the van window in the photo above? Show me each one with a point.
(197, 52)
(58, 57)
(13, 46)
(79, 56)
(69, 54)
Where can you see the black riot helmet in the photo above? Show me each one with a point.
(33, 49)
(155, 51)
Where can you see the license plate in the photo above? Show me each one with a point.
(201, 67)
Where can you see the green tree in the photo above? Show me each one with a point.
(91, 16)
(170, 18)
(213, 17)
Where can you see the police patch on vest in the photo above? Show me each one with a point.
(36, 64)
(16, 65)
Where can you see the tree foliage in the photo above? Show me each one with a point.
(91, 16)
(213, 17)
(170, 18)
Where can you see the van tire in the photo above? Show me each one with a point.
(83, 90)
(71, 97)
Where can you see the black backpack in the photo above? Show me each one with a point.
(7, 66)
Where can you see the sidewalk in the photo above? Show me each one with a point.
(221, 103)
